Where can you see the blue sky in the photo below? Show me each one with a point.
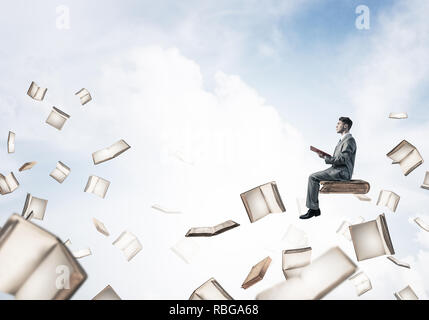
(241, 88)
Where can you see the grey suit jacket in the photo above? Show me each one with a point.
(344, 157)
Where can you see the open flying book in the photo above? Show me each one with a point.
(100, 227)
(84, 96)
(371, 239)
(314, 149)
(111, 152)
(61, 172)
(57, 118)
(406, 294)
(35, 264)
(210, 290)
(388, 199)
(97, 186)
(212, 231)
(11, 142)
(257, 273)
(398, 115)
(317, 279)
(425, 184)
(294, 261)
(262, 200)
(8, 183)
(129, 244)
(422, 224)
(34, 207)
(399, 263)
(27, 166)
(361, 282)
(107, 294)
(36, 92)
(407, 156)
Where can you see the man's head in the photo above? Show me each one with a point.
(344, 124)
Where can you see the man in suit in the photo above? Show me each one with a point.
(342, 163)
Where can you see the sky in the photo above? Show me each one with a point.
(215, 98)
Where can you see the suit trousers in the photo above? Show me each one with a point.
(330, 174)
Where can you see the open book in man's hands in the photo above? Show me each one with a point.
(319, 151)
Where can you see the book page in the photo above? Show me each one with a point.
(224, 226)
(186, 249)
(270, 198)
(399, 263)
(398, 115)
(256, 204)
(422, 224)
(100, 227)
(411, 161)
(367, 240)
(317, 279)
(165, 210)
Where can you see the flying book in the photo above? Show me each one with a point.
(107, 294)
(27, 166)
(97, 186)
(361, 283)
(294, 261)
(186, 249)
(82, 253)
(262, 200)
(407, 156)
(111, 152)
(314, 149)
(11, 142)
(100, 227)
(165, 210)
(212, 231)
(35, 264)
(210, 290)
(61, 172)
(36, 92)
(406, 294)
(129, 244)
(399, 263)
(57, 118)
(84, 96)
(425, 184)
(34, 207)
(317, 279)
(398, 115)
(8, 184)
(422, 224)
(371, 239)
(388, 199)
(257, 273)
(362, 197)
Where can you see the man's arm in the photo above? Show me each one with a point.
(346, 151)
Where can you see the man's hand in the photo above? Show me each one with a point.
(321, 155)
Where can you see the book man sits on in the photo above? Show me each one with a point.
(342, 163)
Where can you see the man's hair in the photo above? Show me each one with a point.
(347, 121)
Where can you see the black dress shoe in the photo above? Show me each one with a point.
(310, 213)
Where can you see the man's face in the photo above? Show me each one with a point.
(341, 127)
